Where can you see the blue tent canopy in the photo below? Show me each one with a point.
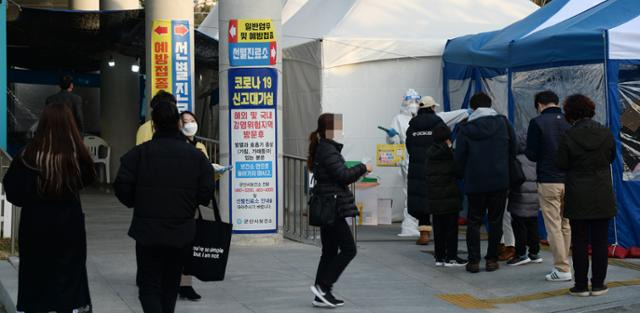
(564, 47)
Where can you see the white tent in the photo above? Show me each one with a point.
(357, 57)
(210, 24)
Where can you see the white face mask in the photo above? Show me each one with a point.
(190, 129)
(413, 108)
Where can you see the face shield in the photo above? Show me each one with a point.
(410, 102)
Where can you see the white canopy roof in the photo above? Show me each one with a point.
(366, 30)
(624, 41)
(210, 24)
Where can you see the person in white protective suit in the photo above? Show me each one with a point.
(397, 134)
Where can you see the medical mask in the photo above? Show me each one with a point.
(413, 108)
(190, 129)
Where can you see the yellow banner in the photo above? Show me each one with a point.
(259, 30)
(390, 155)
(161, 60)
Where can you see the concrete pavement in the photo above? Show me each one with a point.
(388, 275)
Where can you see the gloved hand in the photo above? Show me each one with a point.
(392, 132)
(469, 111)
(219, 169)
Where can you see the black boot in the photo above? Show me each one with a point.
(187, 293)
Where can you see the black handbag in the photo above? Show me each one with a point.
(210, 248)
(322, 208)
(516, 174)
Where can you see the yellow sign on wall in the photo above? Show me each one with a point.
(390, 155)
(161, 57)
(255, 30)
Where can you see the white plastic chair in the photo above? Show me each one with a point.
(94, 144)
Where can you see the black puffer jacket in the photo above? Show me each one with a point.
(443, 194)
(333, 177)
(419, 139)
(164, 180)
(586, 154)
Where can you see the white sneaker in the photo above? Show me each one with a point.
(556, 275)
(439, 262)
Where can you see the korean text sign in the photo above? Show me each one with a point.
(171, 61)
(252, 42)
(253, 149)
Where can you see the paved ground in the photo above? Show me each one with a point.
(386, 276)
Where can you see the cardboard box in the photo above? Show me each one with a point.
(367, 203)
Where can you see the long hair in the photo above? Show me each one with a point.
(58, 153)
(325, 122)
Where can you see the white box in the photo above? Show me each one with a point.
(385, 211)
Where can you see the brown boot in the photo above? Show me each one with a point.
(425, 232)
(492, 266)
(507, 254)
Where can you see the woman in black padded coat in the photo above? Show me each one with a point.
(333, 178)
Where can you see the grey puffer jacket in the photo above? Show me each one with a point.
(523, 201)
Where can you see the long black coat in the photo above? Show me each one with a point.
(586, 154)
(419, 139)
(164, 180)
(333, 177)
(443, 194)
(52, 244)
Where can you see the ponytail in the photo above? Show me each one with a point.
(313, 144)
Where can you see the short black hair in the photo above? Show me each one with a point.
(480, 100)
(577, 107)
(162, 96)
(165, 116)
(441, 134)
(546, 97)
(65, 82)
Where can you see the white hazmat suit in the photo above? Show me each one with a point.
(397, 134)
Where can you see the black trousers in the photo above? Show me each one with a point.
(494, 204)
(425, 220)
(445, 232)
(159, 276)
(525, 231)
(595, 232)
(338, 249)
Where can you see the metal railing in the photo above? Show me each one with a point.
(213, 148)
(296, 194)
(296, 210)
(9, 213)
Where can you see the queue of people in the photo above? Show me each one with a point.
(564, 159)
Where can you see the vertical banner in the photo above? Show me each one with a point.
(171, 61)
(253, 149)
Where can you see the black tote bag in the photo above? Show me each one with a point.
(210, 248)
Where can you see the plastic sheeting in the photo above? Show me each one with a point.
(498, 90)
(564, 81)
(629, 90)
